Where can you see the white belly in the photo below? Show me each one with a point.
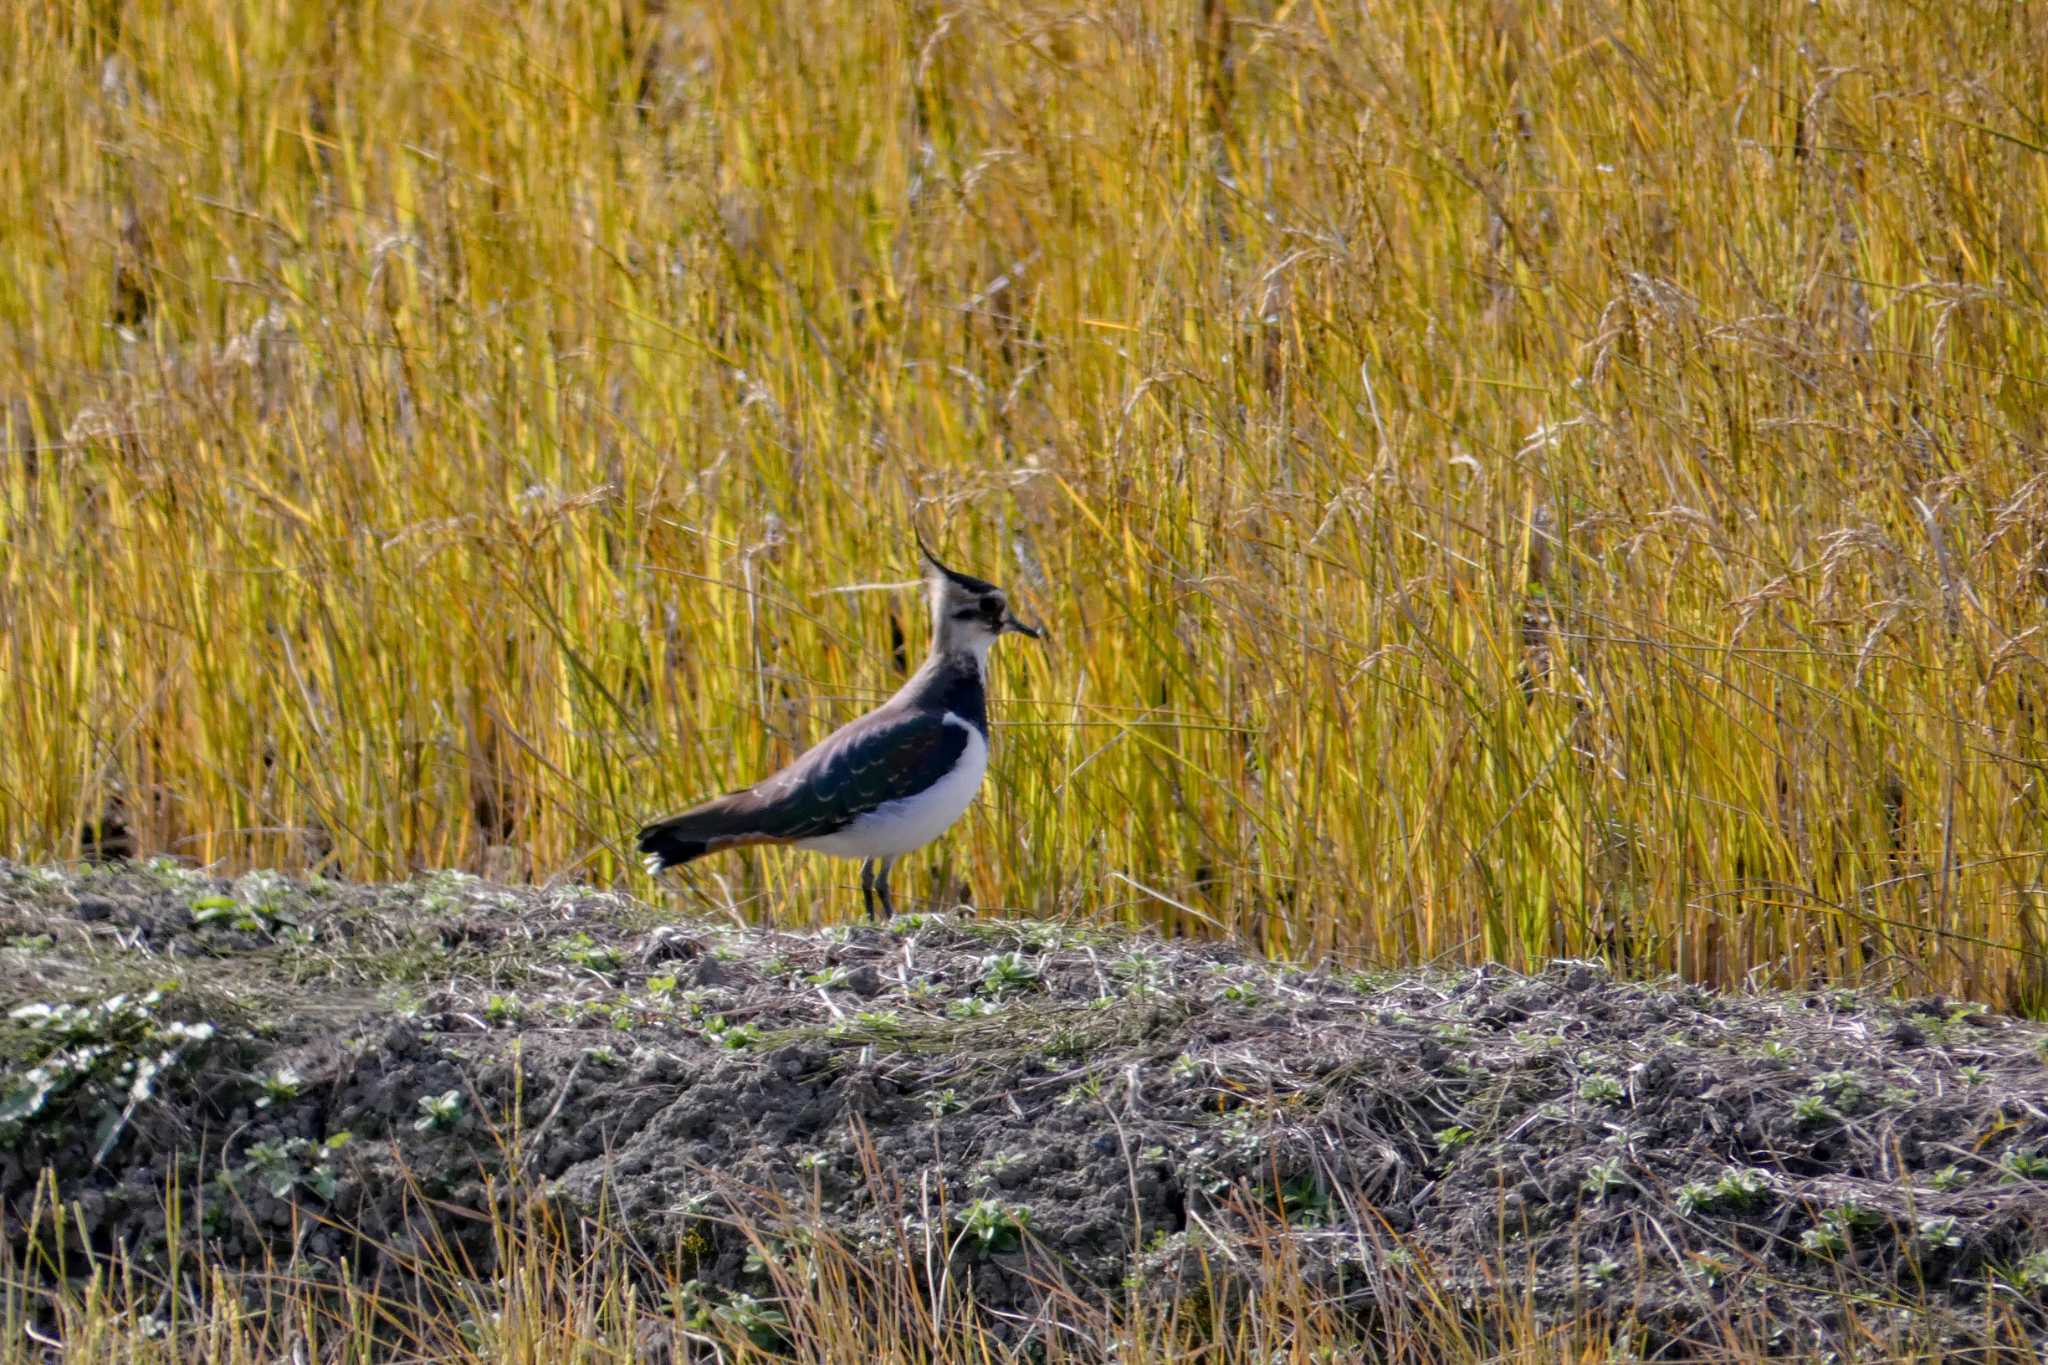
(899, 826)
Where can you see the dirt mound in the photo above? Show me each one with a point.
(328, 1072)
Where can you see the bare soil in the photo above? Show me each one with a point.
(1023, 1104)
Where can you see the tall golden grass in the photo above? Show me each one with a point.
(1504, 480)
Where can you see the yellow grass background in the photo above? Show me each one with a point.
(1502, 479)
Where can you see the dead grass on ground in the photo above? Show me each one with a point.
(954, 1138)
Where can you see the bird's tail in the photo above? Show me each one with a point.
(717, 824)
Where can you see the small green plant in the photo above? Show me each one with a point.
(764, 1258)
(2024, 1164)
(943, 1102)
(1950, 1027)
(161, 868)
(1605, 1177)
(1305, 1202)
(1933, 1025)
(1004, 973)
(1242, 993)
(1938, 1234)
(1601, 1089)
(1843, 1089)
(279, 1087)
(1736, 1191)
(992, 1226)
(1810, 1108)
(1711, 1270)
(1851, 1216)
(1065, 1043)
(1451, 1138)
(690, 1303)
(1823, 1242)
(1538, 1039)
(970, 1007)
(1971, 1075)
(504, 1009)
(439, 1111)
(1950, 1178)
(1141, 972)
(226, 912)
(737, 1037)
(585, 951)
(1039, 935)
(273, 1166)
(697, 1306)
(1838, 1223)
(1087, 1090)
(281, 1167)
(2031, 1274)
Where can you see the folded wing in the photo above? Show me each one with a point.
(882, 757)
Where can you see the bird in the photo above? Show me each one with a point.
(887, 782)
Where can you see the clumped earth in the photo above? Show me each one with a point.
(320, 1073)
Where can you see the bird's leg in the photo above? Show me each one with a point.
(867, 887)
(882, 886)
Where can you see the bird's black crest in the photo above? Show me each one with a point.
(966, 582)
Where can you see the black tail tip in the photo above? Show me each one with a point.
(664, 848)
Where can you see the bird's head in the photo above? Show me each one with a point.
(967, 613)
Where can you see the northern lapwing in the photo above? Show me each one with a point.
(882, 785)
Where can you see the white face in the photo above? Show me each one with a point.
(967, 613)
(965, 621)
